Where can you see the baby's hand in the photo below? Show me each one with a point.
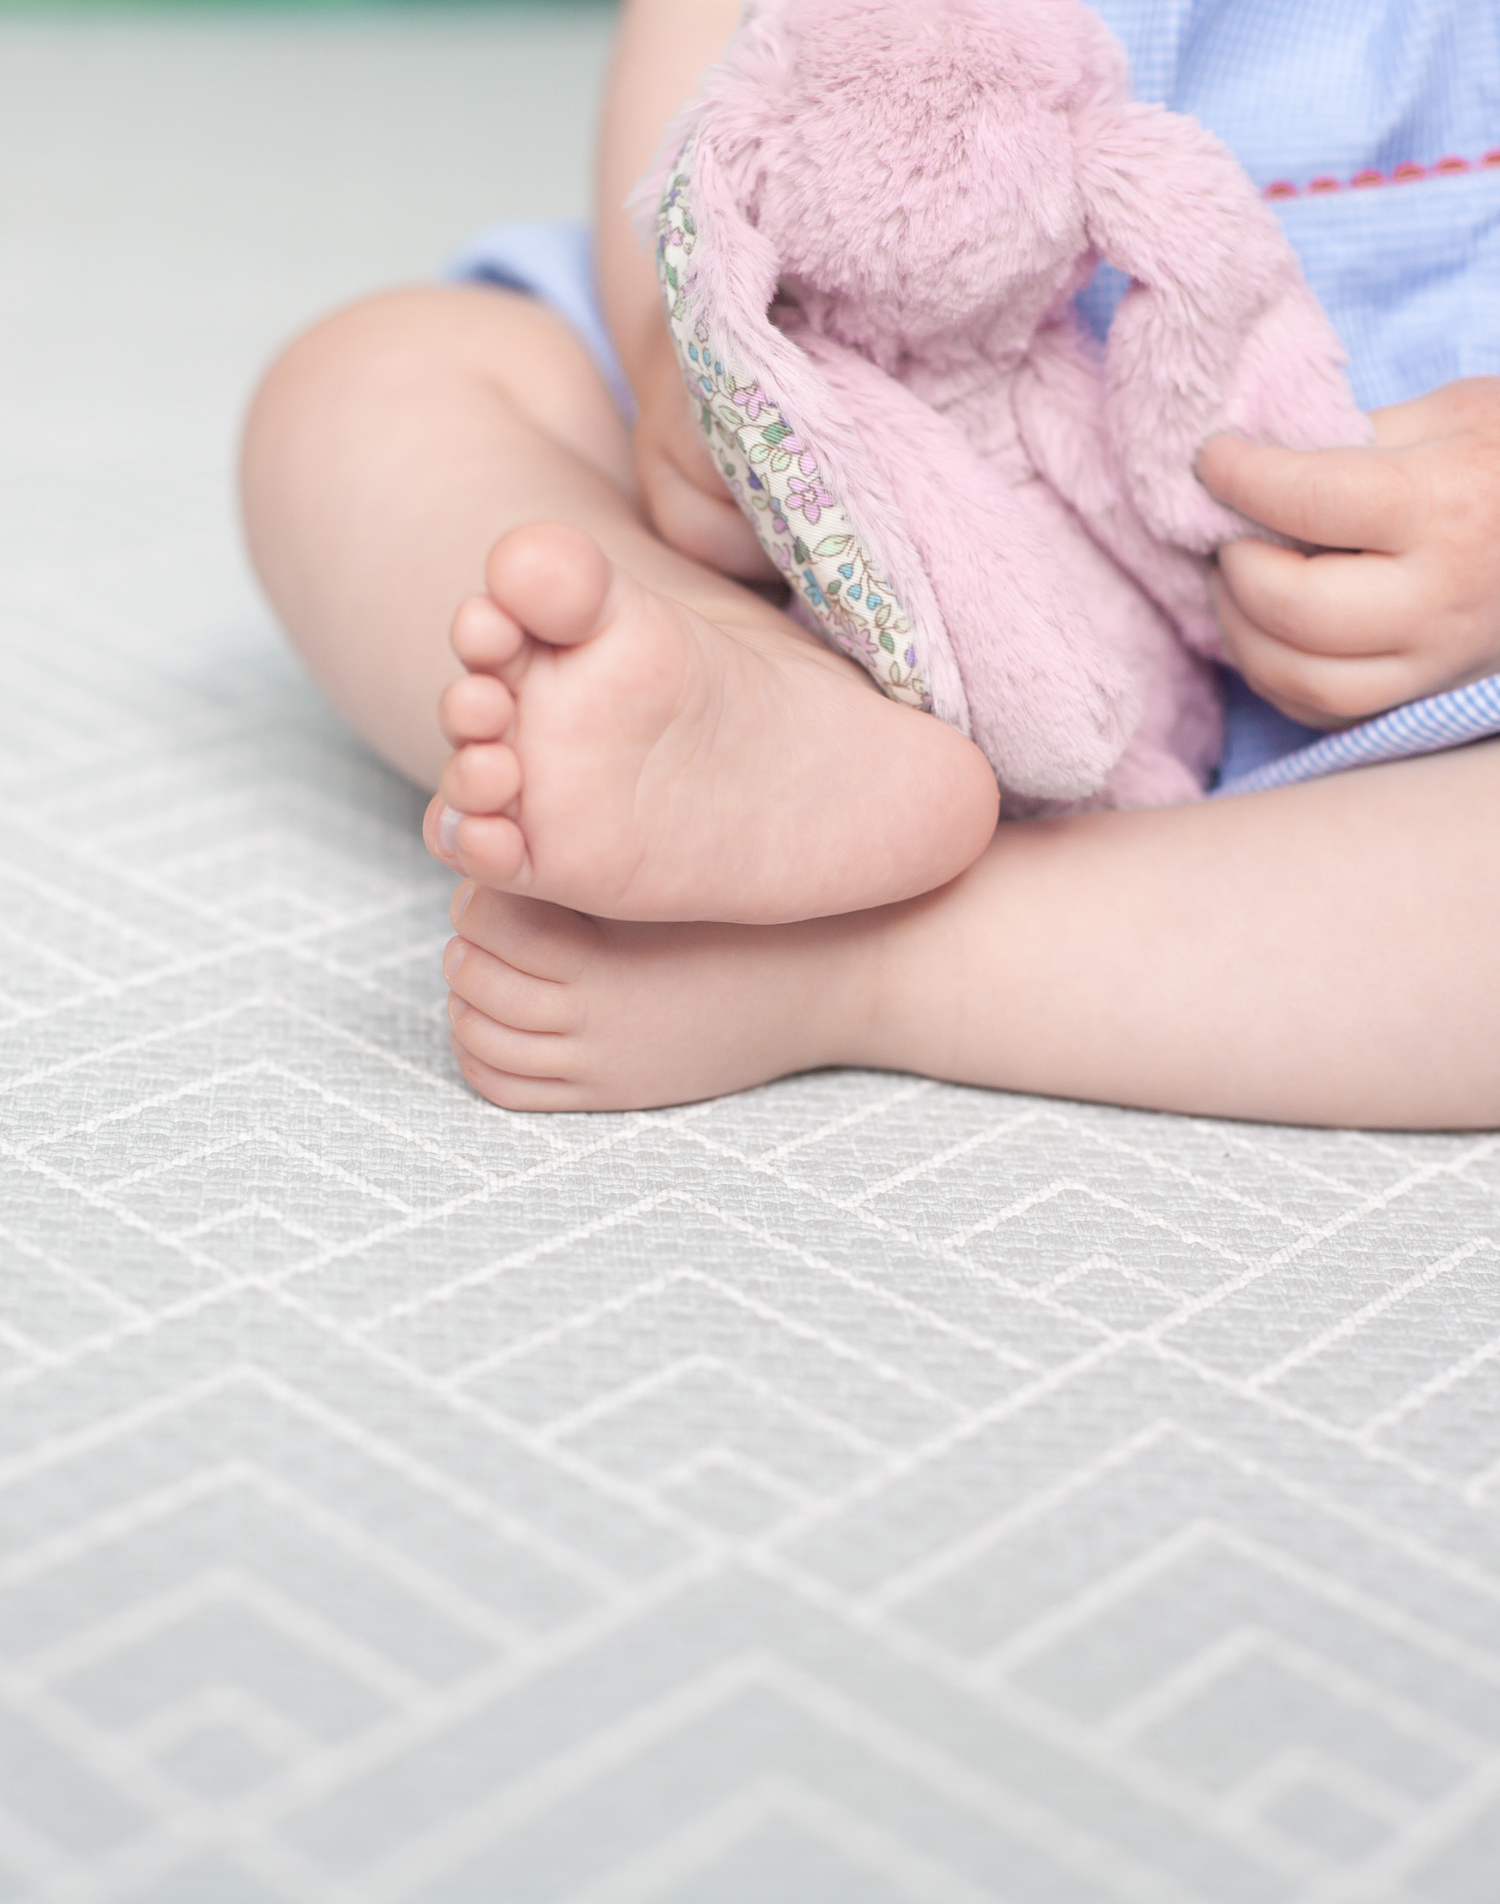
(1403, 599)
(682, 493)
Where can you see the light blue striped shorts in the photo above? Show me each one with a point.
(1262, 748)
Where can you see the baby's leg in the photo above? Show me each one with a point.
(645, 738)
(1324, 954)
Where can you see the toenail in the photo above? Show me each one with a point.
(461, 901)
(456, 1009)
(454, 957)
(448, 829)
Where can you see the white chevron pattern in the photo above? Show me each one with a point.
(859, 1490)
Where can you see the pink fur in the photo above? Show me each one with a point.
(896, 201)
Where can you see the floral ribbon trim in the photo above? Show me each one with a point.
(774, 477)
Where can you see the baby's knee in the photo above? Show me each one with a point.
(356, 374)
(332, 364)
(327, 400)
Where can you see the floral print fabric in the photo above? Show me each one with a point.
(773, 475)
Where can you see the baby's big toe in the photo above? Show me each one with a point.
(554, 580)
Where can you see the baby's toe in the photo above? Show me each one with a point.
(483, 846)
(509, 996)
(475, 707)
(513, 1013)
(530, 935)
(512, 1092)
(525, 1054)
(487, 848)
(481, 778)
(484, 637)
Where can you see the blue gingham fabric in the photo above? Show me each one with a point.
(1421, 727)
(552, 259)
(1373, 126)
(1402, 96)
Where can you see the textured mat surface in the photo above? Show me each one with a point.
(858, 1490)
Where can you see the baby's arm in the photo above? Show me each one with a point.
(661, 48)
(1403, 598)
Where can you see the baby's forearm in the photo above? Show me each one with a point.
(661, 47)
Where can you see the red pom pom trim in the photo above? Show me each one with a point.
(1453, 166)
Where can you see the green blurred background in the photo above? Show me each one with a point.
(295, 6)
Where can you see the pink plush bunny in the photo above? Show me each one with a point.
(878, 214)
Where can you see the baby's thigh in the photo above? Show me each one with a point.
(436, 351)
(546, 371)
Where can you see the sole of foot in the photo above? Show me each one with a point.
(550, 1010)
(618, 754)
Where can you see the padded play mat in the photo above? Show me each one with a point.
(858, 1490)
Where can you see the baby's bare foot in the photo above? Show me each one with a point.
(553, 1011)
(617, 753)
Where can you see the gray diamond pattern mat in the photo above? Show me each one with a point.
(857, 1490)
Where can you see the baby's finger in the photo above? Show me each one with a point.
(1470, 404)
(1335, 499)
(710, 528)
(1318, 690)
(686, 447)
(1324, 604)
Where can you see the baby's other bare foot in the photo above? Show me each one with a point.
(618, 754)
(553, 1011)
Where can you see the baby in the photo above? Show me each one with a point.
(699, 850)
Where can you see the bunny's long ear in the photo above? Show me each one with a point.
(1218, 331)
(790, 454)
